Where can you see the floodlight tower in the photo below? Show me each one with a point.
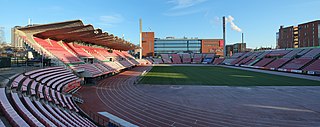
(140, 23)
(224, 37)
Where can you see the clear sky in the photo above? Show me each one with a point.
(258, 19)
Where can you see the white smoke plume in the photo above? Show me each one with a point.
(232, 25)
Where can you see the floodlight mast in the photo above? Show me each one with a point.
(140, 23)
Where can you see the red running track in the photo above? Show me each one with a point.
(119, 96)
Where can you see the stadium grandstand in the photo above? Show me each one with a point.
(78, 54)
(92, 80)
(299, 60)
(160, 63)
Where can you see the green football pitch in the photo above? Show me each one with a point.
(218, 76)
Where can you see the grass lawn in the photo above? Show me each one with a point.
(218, 76)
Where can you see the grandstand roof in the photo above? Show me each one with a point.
(76, 31)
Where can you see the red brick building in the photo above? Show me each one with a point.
(303, 35)
(147, 44)
(309, 34)
(212, 46)
(285, 39)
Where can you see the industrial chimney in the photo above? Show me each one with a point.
(224, 37)
(242, 44)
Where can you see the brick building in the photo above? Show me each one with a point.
(235, 48)
(303, 35)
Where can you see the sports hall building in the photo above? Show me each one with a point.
(152, 46)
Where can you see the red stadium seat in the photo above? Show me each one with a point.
(12, 116)
(217, 61)
(176, 58)
(314, 66)
(264, 62)
(278, 63)
(297, 64)
(197, 58)
(186, 58)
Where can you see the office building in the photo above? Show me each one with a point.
(152, 46)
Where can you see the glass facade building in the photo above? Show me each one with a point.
(177, 46)
(152, 46)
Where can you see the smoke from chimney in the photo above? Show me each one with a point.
(232, 24)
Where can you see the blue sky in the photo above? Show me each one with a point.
(259, 20)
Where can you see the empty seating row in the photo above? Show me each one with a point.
(131, 58)
(291, 60)
(313, 67)
(208, 58)
(264, 62)
(245, 55)
(114, 66)
(10, 113)
(88, 68)
(157, 60)
(57, 50)
(51, 108)
(218, 61)
(71, 54)
(78, 50)
(297, 64)
(102, 68)
(176, 59)
(166, 59)
(186, 58)
(24, 112)
(197, 58)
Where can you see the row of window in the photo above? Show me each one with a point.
(302, 26)
(175, 45)
(168, 49)
(216, 45)
(177, 41)
(166, 52)
(184, 46)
